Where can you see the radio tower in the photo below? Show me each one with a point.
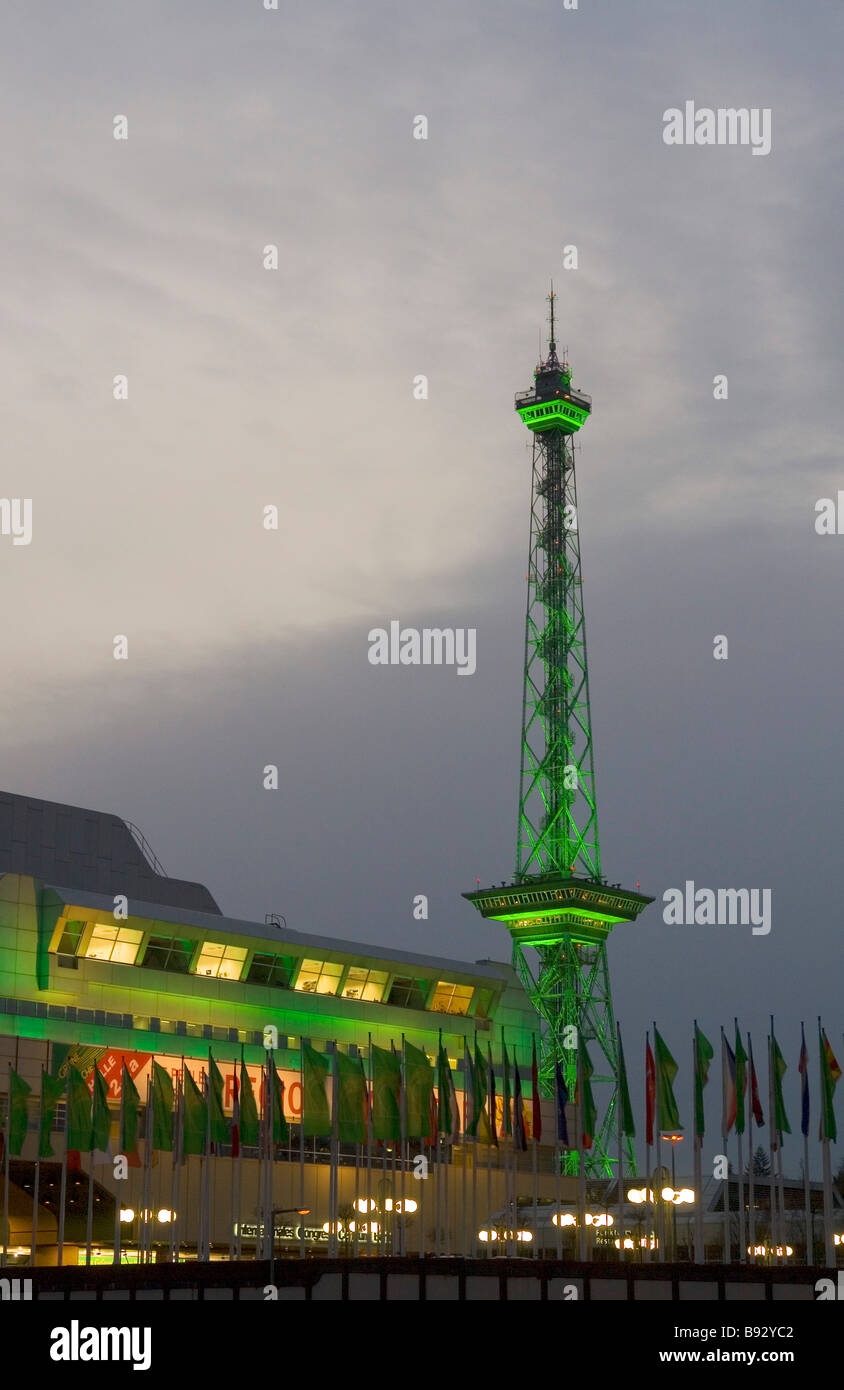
(559, 909)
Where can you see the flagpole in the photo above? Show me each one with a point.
(34, 1240)
(369, 1124)
(696, 1153)
(658, 1203)
(147, 1171)
(804, 1125)
(176, 1179)
(301, 1146)
(115, 1259)
(619, 1119)
(558, 1160)
(751, 1177)
(772, 1146)
(334, 1160)
(726, 1242)
(7, 1134)
(829, 1242)
(476, 1123)
(89, 1223)
(648, 1137)
(581, 1164)
(63, 1190)
(237, 1165)
(234, 1189)
(739, 1136)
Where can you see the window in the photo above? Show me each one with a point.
(70, 938)
(365, 984)
(319, 976)
(267, 969)
(223, 962)
(117, 944)
(168, 953)
(407, 993)
(451, 999)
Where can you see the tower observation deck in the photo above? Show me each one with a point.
(559, 908)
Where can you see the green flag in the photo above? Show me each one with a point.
(628, 1126)
(162, 1109)
(219, 1128)
(52, 1090)
(741, 1082)
(703, 1056)
(131, 1107)
(480, 1120)
(666, 1070)
(588, 1111)
(249, 1121)
(351, 1100)
(418, 1082)
(316, 1112)
(100, 1117)
(386, 1094)
(194, 1116)
(508, 1095)
(78, 1113)
(779, 1069)
(281, 1132)
(830, 1075)
(18, 1092)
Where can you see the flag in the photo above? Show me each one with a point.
(194, 1116)
(18, 1092)
(100, 1118)
(316, 1112)
(455, 1107)
(779, 1068)
(536, 1108)
(351, 1100)
(803, 1068)
(584, 1093)
(728, 1074)
(469, 1121)
(830, 1075)
(131, 1104)
(562, 1100)
(445, 1120)
(78, 1113)
(508, 1121)
(250, 1124)
(741, 1082)
(493, 1118)
(52, 1090)
(703, 1056)
(650, 1094)
(519, 1138)
(280, 1130)
(386, 1094)
(218, 1126)
(755, 1102)
(628, 1126)
(162, 1109)
(666, 1070)
(479, 1125)
(418, 1083)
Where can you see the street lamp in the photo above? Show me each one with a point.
(281, 1211)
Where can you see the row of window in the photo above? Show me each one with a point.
(225, 962)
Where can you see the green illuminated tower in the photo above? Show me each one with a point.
(559, 909)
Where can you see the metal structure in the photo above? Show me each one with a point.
(559, 909)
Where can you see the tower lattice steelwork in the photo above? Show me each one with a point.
(559, 909)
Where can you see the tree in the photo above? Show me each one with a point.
(761, 1163)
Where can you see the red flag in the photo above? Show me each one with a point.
(236, 1119)
(650, 1093)
(536, 1109)
(755, 1102)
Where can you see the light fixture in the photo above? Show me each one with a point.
(164, 1215)
(127, 1214)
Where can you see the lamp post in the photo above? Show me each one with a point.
(281, 1211)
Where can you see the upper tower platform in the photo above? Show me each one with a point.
(553, 403)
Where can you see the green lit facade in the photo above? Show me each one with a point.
(559, 908)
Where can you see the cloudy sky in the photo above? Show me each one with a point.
(293, 388)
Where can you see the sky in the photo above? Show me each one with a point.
(293, 388)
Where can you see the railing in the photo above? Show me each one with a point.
(146, 849)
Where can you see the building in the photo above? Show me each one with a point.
(105, 960)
